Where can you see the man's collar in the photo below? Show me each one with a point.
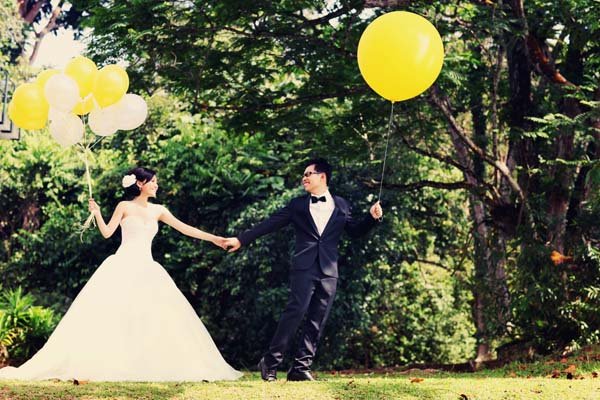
(325, 193)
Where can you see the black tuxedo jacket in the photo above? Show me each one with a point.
(309, 244)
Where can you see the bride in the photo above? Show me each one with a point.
(130, 322)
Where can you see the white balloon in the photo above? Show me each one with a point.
(103, 121)
(53, 114)
(67, 130)
(132, 113)
(62, 92)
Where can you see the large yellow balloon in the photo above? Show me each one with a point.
(400, 55)
(24, 121)
(43, 77)
(29, 99)
(110, 85)
(83, 71)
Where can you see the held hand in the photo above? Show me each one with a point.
(376, 211)
(234, 243)
(93, 207)
(219, 241)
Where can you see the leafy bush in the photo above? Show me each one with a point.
(24, 328)
(557, 305)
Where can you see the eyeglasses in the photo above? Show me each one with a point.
(309, 173)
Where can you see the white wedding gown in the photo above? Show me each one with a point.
(129, 323)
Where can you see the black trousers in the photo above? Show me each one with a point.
(311, 294)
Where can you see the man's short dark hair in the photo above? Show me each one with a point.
(321, 165)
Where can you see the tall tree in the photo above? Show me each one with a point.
(516, 101)
(49, 15)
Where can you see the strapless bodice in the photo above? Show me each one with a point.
(137, 234)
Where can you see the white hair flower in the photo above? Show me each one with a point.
(129, 180)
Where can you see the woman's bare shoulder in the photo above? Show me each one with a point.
(158, 207)
(123, 204)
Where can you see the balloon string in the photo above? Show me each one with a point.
(87, 172)
(96, 142)
(90, 219)
(387, 142)
(86, 148)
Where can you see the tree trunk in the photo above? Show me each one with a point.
(491, 301)
(581, 188)
(50, 26)
(30, 213)
(563, 197)
(560, 192)
(521, 104)
(490, 290)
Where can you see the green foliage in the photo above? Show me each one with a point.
(558, 306)
(270, 83)
(24, 328)
(593, 176)
(12, 31)
(225, 183)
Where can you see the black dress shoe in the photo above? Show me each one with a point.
(268, 375)
(294, 375)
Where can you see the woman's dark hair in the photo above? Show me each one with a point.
(141, 174)
(321, 165)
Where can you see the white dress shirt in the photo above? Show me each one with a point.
(321, 210)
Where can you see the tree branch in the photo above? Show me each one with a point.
(286, 104)
(39, 36)
(442, 158)
(541, 57)
(385, 3)
(537, 51)
(372, 183)
(494, 106)
(325, 18)
(443, 104)
(291, 34)
(430, 263)
(29, 15)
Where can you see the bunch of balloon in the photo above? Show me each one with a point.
(63, 99)
(400, 55)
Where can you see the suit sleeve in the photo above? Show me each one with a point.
(357, 228)
(276, 221)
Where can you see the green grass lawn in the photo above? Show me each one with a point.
(332, 387)
(571, 378)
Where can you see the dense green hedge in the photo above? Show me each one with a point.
(388, 310)
(24, 327)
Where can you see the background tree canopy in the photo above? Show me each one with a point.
(489, 171)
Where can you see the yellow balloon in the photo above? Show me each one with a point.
(43, 77)
(29, 98)
(83, 71)
(111, 84)
(400, 54)
(84, 106)
(24, 121)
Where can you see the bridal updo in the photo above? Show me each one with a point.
(141, 174)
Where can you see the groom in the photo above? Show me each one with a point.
(319, 220)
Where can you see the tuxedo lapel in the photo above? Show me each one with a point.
(309, 215)
(333, 215)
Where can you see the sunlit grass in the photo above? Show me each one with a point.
(363, 386)
(551, 378)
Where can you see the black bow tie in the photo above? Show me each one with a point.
(315, 199)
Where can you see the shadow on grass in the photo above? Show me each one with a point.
(54, 389)
(379, 391)
(67, 390)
